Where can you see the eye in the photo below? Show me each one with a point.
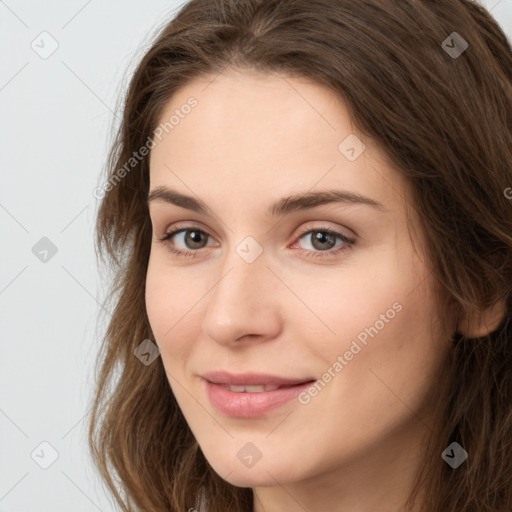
(191, 236)
(322, 241)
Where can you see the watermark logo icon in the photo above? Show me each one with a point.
(351, 147)
(249, 249)
(249, 455)
(454, 455)
(146, 352)
(454, 45)
(45, 45)
(44, 250)
(44, 455)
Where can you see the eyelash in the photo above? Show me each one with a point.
(348, 242)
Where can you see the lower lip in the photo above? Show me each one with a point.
(249, 405)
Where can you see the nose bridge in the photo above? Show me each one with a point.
(240, 302)
(243, 268)
(241, 279)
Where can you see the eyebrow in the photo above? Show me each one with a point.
(297, 202)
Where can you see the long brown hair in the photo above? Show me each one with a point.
(439, 105)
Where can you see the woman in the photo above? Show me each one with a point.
(307, 209)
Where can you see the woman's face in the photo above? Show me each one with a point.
(265, 289)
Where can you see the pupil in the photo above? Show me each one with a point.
(194, 237)
(321, 237)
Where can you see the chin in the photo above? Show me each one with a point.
(250, 478)
(262, 474)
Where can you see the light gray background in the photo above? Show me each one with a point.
(56, 118)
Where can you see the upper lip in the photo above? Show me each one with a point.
(251, 379)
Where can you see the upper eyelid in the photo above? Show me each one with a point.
(302, 215)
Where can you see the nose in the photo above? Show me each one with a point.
(244, 304)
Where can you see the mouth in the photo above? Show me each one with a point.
(251, 395)
(259, 388)
(253, 380)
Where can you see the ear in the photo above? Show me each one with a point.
(483, 322)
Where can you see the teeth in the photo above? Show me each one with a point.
(254, 389)
(237, 389)
(251, 389)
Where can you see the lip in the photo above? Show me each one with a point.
(251, 379)
(250, 405)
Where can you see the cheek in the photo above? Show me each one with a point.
(400, 355)
(382, 319)
(168, 306)
(355, 304)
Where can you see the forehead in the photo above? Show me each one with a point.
(267, 135)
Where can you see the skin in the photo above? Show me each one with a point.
(251, 140)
